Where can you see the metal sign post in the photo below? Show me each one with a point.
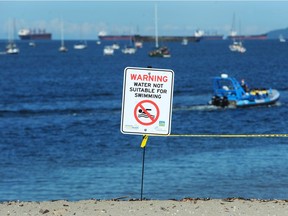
(143, 145)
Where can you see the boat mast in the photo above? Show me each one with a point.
(11, 31)
(233, 31)
(156, 27)
(62, 33)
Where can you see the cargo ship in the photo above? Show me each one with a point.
(248, 37)
(166, 38)
(103, 36)
(234, 34)
(40, 34)
(116, 37)
(204, 36)
(147, 38)
(213, 37)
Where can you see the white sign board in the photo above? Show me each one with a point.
(147, 101)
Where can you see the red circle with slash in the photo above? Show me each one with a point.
(146, 113)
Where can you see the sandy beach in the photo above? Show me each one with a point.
(188, 206)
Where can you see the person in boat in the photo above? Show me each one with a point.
(244, 85)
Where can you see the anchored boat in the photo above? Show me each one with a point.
(228, 92)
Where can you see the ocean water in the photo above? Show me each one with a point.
(60, 125)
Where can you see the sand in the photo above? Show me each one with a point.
(199, 207)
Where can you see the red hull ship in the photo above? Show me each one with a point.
(249, 37)
(145, 38)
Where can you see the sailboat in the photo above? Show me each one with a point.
(82, 44)
(184, 41)
(281, 38)
(32, 44)
(62, 47)
(236, 46)
(11, 47)
(159, 51)
(129, 49)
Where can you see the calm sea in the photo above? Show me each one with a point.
(60, 125)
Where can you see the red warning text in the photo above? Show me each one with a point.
(148, 78)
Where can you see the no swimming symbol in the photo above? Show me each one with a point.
(146, 112)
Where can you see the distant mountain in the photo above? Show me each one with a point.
(274, 34)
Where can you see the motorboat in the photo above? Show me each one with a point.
(80, 45)
(108, 50)
(129, 50)
(138, 44)
(115, 46)
(228, 92)
(237, 47)
(160, 52)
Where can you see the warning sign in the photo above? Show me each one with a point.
(147, 101)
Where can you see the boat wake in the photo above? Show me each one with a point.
(208, 107)
(196, 108)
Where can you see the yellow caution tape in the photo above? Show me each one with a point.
(229, 135)
(144, 141)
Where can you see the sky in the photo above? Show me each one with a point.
(85, 19)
